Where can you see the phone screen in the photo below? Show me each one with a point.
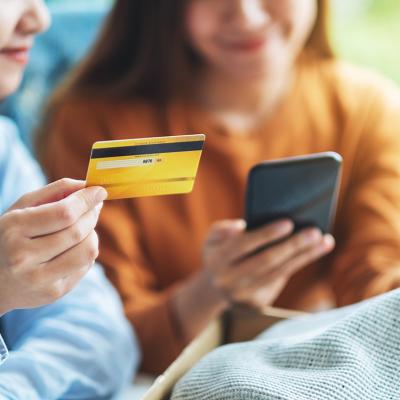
(303, 189)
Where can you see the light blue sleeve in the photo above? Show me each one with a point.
(19, 172)
(80, 347)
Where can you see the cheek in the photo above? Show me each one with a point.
(201, 27)
(9, 14)
(5, 31)
(10, 73)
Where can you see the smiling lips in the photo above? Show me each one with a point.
(19, 55)
(248, 46)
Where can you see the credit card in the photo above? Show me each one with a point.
(145, 167)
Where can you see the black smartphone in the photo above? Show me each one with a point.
(303, 189)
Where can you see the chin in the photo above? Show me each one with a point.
(250, 72)
(9, 84)
(259, 68)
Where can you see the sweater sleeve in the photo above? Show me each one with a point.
(367, 260)
(70, 135)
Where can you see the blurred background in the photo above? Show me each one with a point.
(365, 32)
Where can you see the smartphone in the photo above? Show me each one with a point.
(303, 189)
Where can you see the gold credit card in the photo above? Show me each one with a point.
(145, 167)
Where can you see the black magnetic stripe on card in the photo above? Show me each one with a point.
(145, 149)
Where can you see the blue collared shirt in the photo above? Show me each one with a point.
(80, 347)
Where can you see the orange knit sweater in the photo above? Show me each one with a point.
(150, 245)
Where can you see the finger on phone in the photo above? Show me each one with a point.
(50, 246)
(50, 218)
(273, 257)
(252, 241)
(223, 230)
(297, 262)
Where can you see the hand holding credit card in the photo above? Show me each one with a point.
(145, 167)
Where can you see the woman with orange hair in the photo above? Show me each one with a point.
(259, 78)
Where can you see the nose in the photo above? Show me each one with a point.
(250, 14)
(35, 19)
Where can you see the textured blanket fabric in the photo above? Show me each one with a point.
(349, 353)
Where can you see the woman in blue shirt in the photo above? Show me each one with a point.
(80, 346)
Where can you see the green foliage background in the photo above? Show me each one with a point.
(367, 32)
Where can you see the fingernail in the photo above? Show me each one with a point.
(100, 195)
(328, 242)
(312, 235)
(239, 224)
(285, 226)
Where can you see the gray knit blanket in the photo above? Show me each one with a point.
(344, 354)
